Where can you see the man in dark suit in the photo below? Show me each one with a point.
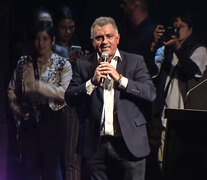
(109, 95)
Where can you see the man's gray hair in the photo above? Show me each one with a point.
(102, 21)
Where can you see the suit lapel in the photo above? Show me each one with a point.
(120, 66)
(99, 89)
(94, 63)
(120, 69)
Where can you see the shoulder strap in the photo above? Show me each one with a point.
(36, 72)
(19, 76)
(162, 100)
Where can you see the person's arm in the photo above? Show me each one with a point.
(141, 84)
(13, 92)
(54, 91)
(156, 50)
(158, 33)
(193, 65)
(76, 91)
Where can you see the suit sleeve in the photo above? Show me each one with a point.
(76, 91)
(141, 85)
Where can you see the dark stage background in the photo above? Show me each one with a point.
(15, 22)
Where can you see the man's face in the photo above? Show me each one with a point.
(105, 39)
(184, 32)
(66, 29)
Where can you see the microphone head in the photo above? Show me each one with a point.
(104, 55)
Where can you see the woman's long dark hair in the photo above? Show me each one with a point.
(61, 13)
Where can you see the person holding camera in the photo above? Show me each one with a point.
(181, 64)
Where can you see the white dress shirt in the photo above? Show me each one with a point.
(107, 118)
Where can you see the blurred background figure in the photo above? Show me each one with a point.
(24, 44)
(67, 46)
(65, 34)
(42, 14)
(36, 96)
(137, 35)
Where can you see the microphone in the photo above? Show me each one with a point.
(104, 57)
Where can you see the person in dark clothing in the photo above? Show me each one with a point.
(138, 35)
(137, 38)
(113, 131)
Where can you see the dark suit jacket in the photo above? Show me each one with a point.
(128, 102)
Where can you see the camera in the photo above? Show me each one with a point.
(169, 31)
